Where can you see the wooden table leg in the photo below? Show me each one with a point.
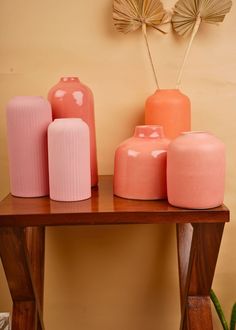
(35, 240)
(26, 307)
(198, 248)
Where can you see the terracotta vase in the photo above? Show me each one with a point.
(170, 109)
(28, 118)
(196, 171)
(69, 160)
(140, 165)
(72, 99)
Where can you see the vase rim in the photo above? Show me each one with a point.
(168, 90)
(194, 132)
(149, 131)
(69, 78)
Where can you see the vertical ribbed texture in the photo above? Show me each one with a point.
(28, 118)
(69, 160)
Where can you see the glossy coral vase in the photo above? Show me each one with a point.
(140, 165)
(69, 160)
(171, 109)
(28, 118)
(72, 99)
(196, 171)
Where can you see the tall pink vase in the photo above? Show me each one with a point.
(28, 118)
(140, 165)
(69, 160)
(171, 109)
(196, 171)
(72, 99)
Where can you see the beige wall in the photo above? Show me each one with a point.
(119, 278)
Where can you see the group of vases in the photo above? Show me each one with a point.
(164, 159)
(51, 144)
(52, 150)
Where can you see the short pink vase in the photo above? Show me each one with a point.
(140, 165)
(196, 171)
(72, 99)
(69, 160)
(28, 118)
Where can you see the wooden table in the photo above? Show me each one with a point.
(22, 238)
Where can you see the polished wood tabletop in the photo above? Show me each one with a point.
(102, 208)
(22, 247)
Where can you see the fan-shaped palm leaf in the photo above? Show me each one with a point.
(130, 15)
(186, 13)
(188, 16)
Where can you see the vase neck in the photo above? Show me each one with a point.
(149, 131)
(69, 79)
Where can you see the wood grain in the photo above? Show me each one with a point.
(22, 239)
(184, 242)
(24, 315)
(206, 240)
(199, 313)
(35, 240)
(102, 208)
(16, 264)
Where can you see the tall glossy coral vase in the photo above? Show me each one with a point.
(171, 109)
(28, 118)
(72, 99)
(140, 165)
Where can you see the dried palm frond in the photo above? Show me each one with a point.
(130, 15)
(189, 14)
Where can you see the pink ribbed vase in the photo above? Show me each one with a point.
(69, 160)
(140, 165)
(28, 118)
(72, 99)
(196, 171)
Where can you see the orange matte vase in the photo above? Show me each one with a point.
(170, 109)
(72, 99)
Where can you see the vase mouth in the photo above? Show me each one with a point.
(194, 132)
(69, 79)
(149, 131)
(168, 90)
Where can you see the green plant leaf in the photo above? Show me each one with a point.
(219, 310)
(233, 318)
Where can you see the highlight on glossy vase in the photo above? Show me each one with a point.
(140, 165)
(196, 171)
(72, 99)
(28, 118)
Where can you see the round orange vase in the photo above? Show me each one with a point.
(140, 165)
(171, 109)
(72, 99)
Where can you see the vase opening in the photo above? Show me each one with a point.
(149, 131)
(69, 79)
(194, 132)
